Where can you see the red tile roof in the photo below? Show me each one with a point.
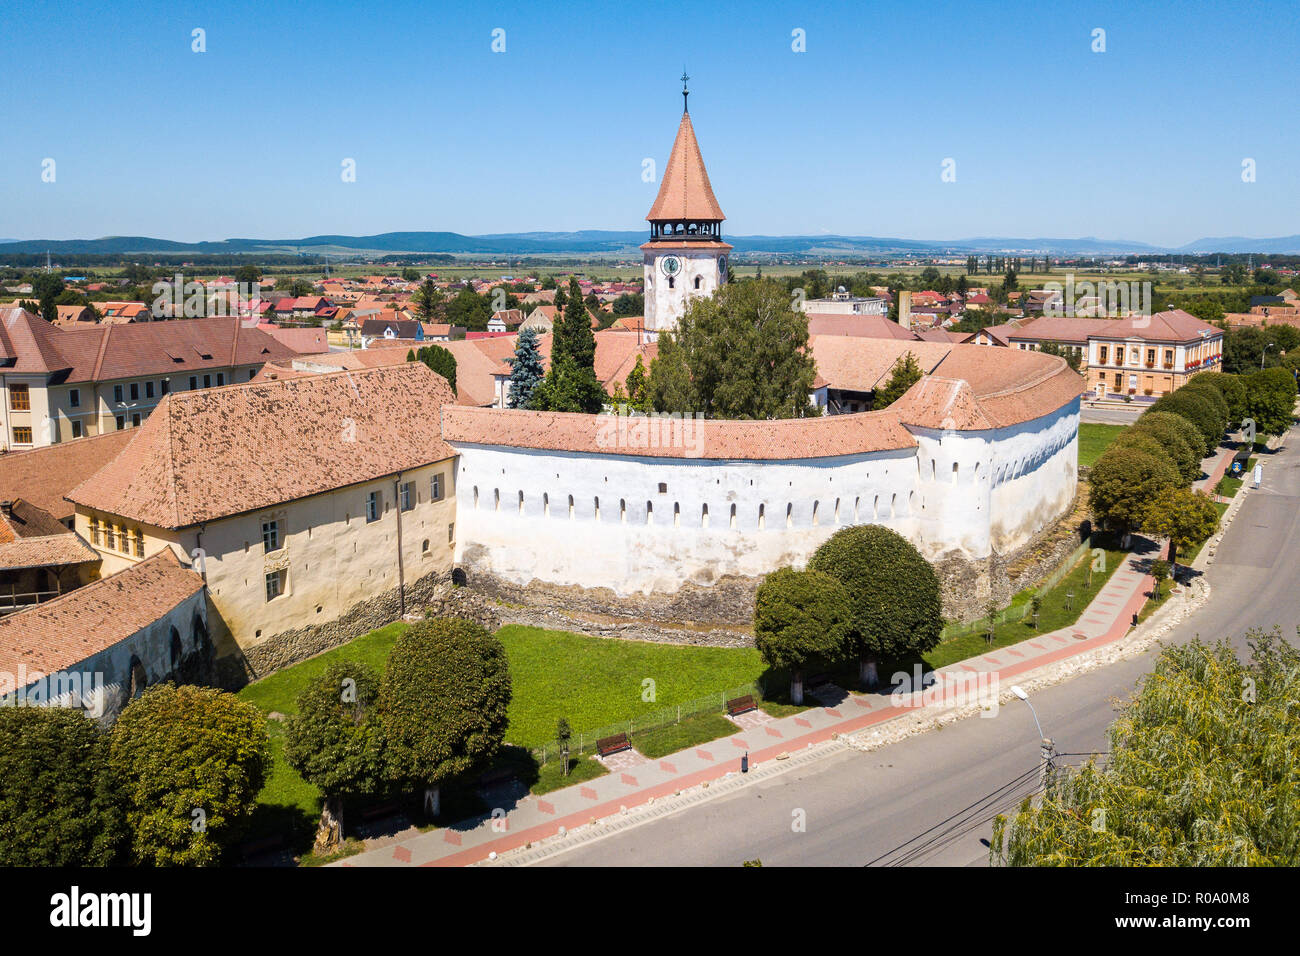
(213, 453)
(61, 633)
(684, 190)
(44, 475)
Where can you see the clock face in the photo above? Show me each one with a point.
(671, 265)
(722, 266)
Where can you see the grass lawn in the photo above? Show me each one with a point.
(1093, 439)
(675, 737)
(1052, 614)
(581, 769)
(1228, 486)
(594, 682)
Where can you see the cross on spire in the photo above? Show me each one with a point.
(685, 92)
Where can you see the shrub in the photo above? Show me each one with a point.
(893, 593)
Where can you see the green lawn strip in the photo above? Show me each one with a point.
(595, 682)
(675, 737)
(1228, 486)
(1051, 616)
(551, 777)
(1093, 439)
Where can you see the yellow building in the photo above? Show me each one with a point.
(315, 507)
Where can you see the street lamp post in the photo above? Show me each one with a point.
(1047, 749)
(1262, 353)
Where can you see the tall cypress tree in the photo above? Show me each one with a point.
(571, 384)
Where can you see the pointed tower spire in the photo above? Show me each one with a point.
(685, 194)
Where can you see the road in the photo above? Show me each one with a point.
(875, 807)
(1111, 414)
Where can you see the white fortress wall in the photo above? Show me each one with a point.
(1035, 475)
(712, 518)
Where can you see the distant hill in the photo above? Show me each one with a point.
(609, 242)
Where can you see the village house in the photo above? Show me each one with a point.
(301, 502)
(61, 384)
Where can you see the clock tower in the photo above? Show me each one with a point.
(685, 257)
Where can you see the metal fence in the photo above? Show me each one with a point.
(1020, 611)
(585, 740)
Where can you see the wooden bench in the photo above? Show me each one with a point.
(612, 745)
(741, 705)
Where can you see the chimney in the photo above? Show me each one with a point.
(905, 309)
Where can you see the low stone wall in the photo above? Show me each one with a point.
(433, 594)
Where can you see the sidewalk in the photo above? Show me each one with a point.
(640, 780)
(1217, 469)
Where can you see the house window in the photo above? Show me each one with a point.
(22, 435)
(135, 419)
(372, 506)
(76, 429)
(275, 584)
(148, 389)
(1101, 354)
(221, 378)
(252, 374)
(96, 532)
(117, 394)
(121, 422)
(270, 536)
(207, 381)
(74, 398)
(407, 495)
(164, 386)
(135, 391)
(20, 399)
(1169, 358)
(435, 488)
(138, 537)
(194, 383)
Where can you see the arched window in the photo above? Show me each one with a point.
(954, 473)
(571, 512)
(176, 646)
(816, 506)
(139, 680)
(199, 632)
(521, 502)
(496, 499)
(789, 514)
(476, 497)
(677, 514)
(622, 510)
(704, 516)
(649, 512)
(762, 517)
(699, 281)
(596, 508)
(546, 503)
(732, 522)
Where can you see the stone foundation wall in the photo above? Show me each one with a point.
(721, 614)
(433, 594)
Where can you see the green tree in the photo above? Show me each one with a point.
(1201, 772)
(248, 275)
(800, 617)
(1183, 516)
(1233, 390)
(740, 354)
(1270, 400)
(470, 310)
(638, 390)
(894, 594)
(905, 374)
(1175, 436)
(58, 805)
(1197, 409)
(1121, 483)
(428, 301)
(334, 742)
(571, 384)
(526, 370)
(47, 287)
(1160, 569)
(299, 288)
(441, 360)
(190, 762)
(442, 703)
(629, 303)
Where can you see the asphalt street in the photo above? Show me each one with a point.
(930, 799)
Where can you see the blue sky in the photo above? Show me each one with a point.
(1144, 141)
